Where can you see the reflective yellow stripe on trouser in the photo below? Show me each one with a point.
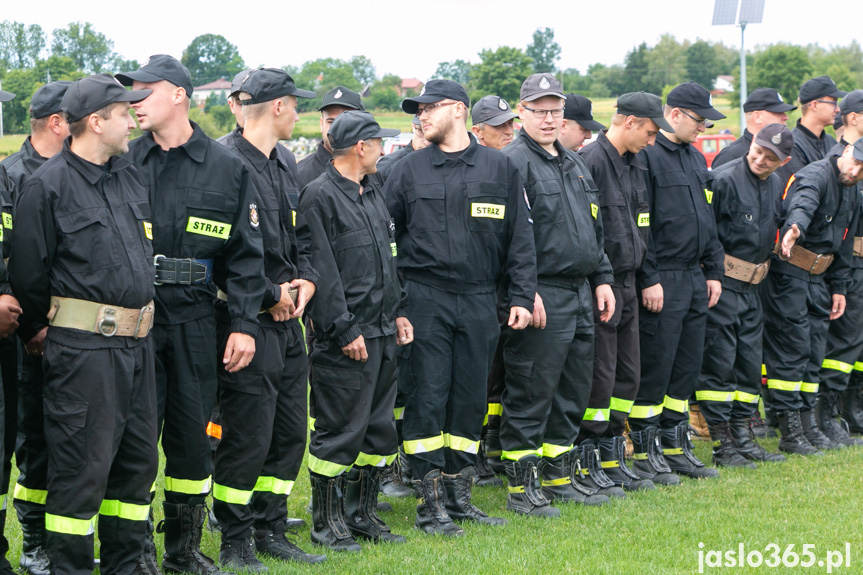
(457, 443)
(593, 414)
(3, 499)
(273, 485)
(678, 405)
(372, 460)
(130, 511)
(624, 405)
(782, 385)
(808, 387)
(188, 486)
(326, 468)
(552, 451)
(743, 397)
(231, 495)
(426, 445)
(493, 409)
(837, 365)
(707, 395)
(516, 455)
(69, 525)
(22, 493)
(398, 413)
(858, 366)
(645, 411)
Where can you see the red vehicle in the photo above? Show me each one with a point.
(712, 144)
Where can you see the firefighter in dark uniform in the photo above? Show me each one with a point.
(83, 259)
(418, 142)
(746, 199)
(359, 318)
(199, 194)
(619, 173)
(549, 367)
(842, 370)
(806, 289)
(578, 124)
(680, 279)
(48, 129)
(263, 407)
(334, 102)
(763, 106)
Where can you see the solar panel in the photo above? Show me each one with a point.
(725, 12)
(751, 11)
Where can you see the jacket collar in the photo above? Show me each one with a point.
(468, 156)
(195, 147)
(91, 172)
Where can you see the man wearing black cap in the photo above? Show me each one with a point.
(461, 224)
(819, 100)
(48, 129)
(492, 122)
(618, 169)
(200, 197)
(763, 106)
(83, 260)
(359, 319)
(264, 407)
(578, 124)
(549, 365)
(746, 198)
(418, 142)
(805, 290)
(336, 101)
(680, 279)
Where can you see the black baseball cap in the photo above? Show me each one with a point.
(538, 85)
(580, 109)
(160, 67)
(435, 91)
(237, 82)
(818, 88)
(766, 99)
(341, 96)
(776, 137)
(853, 102)
(643, 105)
(491, 110)
(858, 150)
(266, 84)
(354, 125)
(47, 99)
(6, 96)
(693, 96)
(93, 93)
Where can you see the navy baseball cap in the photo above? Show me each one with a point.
(853, 102)
(644, 105)
(693, 96)
(341, 96)
(47, 99)
(776, 137)
(766, 99)
(93, 93)
(491, 110)
(858, 150)
(354, 125)
(580, 109)
(435, 91)
(538, 85)
(266, 84)
(818, 88)
(237, 82)
(160, 67)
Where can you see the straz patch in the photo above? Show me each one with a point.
(148, 230)
(494, 211)
(294, 217)
(594, 209)
(7, 221)
(253, 215)
(643, 220)
(709, 195)
(209, 228)
(394, 249)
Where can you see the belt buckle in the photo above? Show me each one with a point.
(108, 320)
(141, 313)
(156, 259)
(815, 263)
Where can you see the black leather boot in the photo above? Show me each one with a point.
(648, 460)
(592, 475)
(280, 545)
(34, 560)
(724, 452)
(361, 498)
(793, 440)
(391, 481)
(743, 437)
(239, 554)
(852, 405)
(493, 451)
(432, 516)
(677, 450)
(458, 504)
(328, 514)
(612, 454)
(182, 529)
(826, 415)
(813, 433)
(484, 473)
(523, 493)
(559, 482)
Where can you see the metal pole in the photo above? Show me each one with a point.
(1, 117)
(743, 90)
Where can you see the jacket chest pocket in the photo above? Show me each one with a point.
(208, 224)
(427, 208)
(548, 204)
(487, 208)
(355, 254)
(88, 242)
(143, 224)
(672, 196)
(743, 217)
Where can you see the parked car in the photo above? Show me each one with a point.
(712, 144)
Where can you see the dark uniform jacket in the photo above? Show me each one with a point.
(313, 165)
(838, 150)
(354, 250)
(622, 183)
(201, 197)
(736, 149)
(462, 223)
(808, 148)
(564, 207)
(286, 238)
(826, 213)
(83, 233)
(386, 163)
(682, 225)
(747, 214)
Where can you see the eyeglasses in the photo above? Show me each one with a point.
(698, 121)
(541, 114)
(831, 102)
(432, 107)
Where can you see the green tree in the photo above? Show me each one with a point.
(214, 100)
(844, 64)
(501, 72)
(606, 81)
(666, 63)
(20, 45)
(210, 57)
(783, 67)
(322, 75)
(457, 71)
(385, 94)
(91, 51)
(364, 70)
(24, 82)
(701, 64)
(572, 81)
(544, 51)
(636, 67)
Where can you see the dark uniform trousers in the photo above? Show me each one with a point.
(796, 317)
(100, 427)
(442, 376)
(730, 382)
(263, 429)
(844, 346)
(495, 384)
(548, 374)
(616, 364)
(31, 453)
(672, 346)
(9, 368)
(354, 399)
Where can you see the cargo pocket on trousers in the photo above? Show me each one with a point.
(518, 371)
(337, 394)
(65, 423)
(406, 382)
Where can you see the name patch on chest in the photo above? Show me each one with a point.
(494, 211)
(594, 209)
(209, 228)
(643, 220)
(709, 195)
(148, 230)
(7, 221)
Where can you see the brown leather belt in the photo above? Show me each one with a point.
(745, 271)
(107, 320)
(858, 246)
(802, 258)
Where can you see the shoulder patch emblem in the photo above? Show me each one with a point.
(253, 215)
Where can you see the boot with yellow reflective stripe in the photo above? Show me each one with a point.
(591, 474)
(724, 452)
(558, 481)
(524, 495)
(458, 499)
(743, 437)
(432, 516)
(793, 440)
(852, 405)
(677, 451)
(648, 460)
(827, 414)
(813, 433)
(613, 462)
(328, 514)
(361, 498)
(182, 529)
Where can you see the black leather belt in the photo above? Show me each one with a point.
(182, 271)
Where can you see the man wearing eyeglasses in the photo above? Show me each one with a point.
(680, 278)
(461, 225)
(763, 106)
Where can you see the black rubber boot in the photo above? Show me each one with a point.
(34, 560)
(405, 468)
(361, 498)
(212, 522)
(793, 440)
(852, 405)
(493, 452)
(239, 555)
(560, 480)
(826, 415)
(485, 476)
(591, 473)
(432, 516)
(328, 514)
(280, 544)
(759, 427)
(724, 452)
(648, 460)
(524, 495)
(458, 504)
(612, 454)
(743, 438)
(182, 529)
(813, 433)
(677, 450)
(391, 481)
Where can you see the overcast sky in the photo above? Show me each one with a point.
(411, 38)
